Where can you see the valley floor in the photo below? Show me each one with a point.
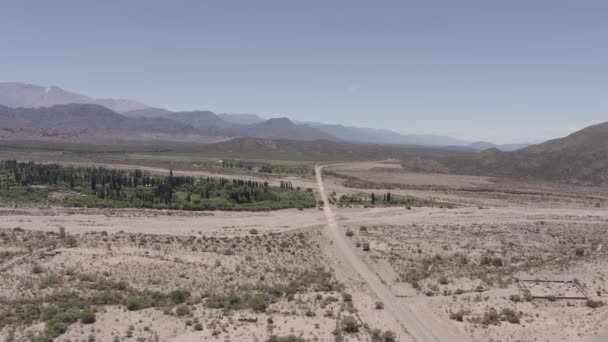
(426, 273)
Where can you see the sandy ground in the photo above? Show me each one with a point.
(409, 320)
(217, 223)
(534, 229)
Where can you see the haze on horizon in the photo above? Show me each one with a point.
(517, 71)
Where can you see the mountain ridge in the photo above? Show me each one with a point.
(14, 94)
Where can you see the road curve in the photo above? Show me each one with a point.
(410, 323)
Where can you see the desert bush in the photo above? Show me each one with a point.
(50, 280)
(366, 246)
(594, 303)
(579, 251)
(491, 317)
(289, 338)
(182, 310)
(509, 315)
(515, 298)
(487, 260)
(387, 336)
(457, 316)
(259, 301)
(413, 277)
(37, 269)
(179, 296)
(87, 316)
(134, 303)
(379, 305)
(71, 241)
(349, 325)
(349, 233)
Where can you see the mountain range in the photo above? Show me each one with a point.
(204, 125)
(37, 113)
(32, 96)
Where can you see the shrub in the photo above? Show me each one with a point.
(48, 312)
(515, 298)
(443, 280)
(87, 316)
(349, 325)
(594, 303)
(134, 303)
(55, 328)
(289, 338)
(457, 316)
(389, 336)
(497, 262)
(349, 233)
(366, 246)
(379, 336)
(487, 260)
(253, 231)
(71, 241)
(490, 317)
(182, 310)
(579, 251)
(198, 327)
(179, 296)
(37, 269)
(260, 301)
(509, 315)
(379, 305)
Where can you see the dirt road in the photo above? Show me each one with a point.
(410, 323)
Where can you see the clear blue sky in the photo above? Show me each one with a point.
(505, 71)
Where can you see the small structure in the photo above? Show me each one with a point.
(554, 289)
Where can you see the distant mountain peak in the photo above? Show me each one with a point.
(15, 95)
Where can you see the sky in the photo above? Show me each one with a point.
(502, 71)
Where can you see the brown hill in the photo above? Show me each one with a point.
(326, 149)
(580, 158)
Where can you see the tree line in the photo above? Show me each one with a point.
(143, 189)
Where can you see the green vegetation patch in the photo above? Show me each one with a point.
(261, 296)
(101, 187)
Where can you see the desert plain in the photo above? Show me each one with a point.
(443, 258)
